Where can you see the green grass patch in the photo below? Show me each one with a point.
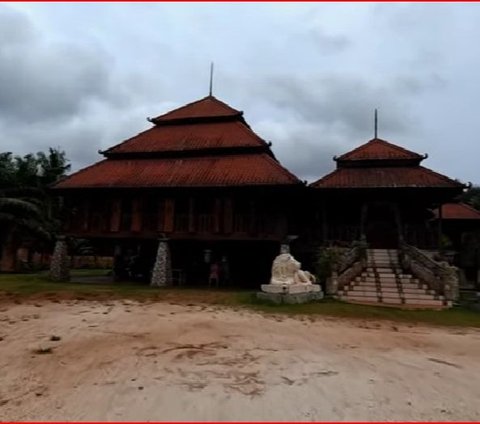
(24, 286)
(456, 316)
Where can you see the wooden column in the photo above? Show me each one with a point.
(169, 215)
(161, 216)
(191, 215)
(281, 225)
(252, 224)
(398, 221)
(116, 215)
(217, 211)
(363, 220)
(136, 215)
(86, 214)
(228, 216)
(324, 223)
(439, 238)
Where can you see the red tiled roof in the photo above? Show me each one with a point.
(377, 149)
(207, 171)
(190, 137)
(204, 108)
(458, 211)
(377, 177)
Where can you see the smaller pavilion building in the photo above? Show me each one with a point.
(381, 193)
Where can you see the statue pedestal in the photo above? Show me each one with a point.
(290, 293)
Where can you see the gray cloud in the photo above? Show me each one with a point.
(308, 76)
(313, 118)
(42, 80)
(327, 43)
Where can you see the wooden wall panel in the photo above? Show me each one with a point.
(116, 215)
(161, 216)
(136, 215)
(191, 215)
(86, 214)
(217, 215)
(169, 215)
(228, 216)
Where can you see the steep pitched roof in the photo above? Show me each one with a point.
(377, 149)
(190, 136)
(207, 107)
(204, 171)
(458, 211)
(382, 177)
(203, 144)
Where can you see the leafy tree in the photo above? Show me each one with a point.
(28, 212)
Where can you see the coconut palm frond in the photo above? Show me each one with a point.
(30, 192)
(19, 206)
(34, 228)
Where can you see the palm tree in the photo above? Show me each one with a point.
(20, 218)
(27, 211)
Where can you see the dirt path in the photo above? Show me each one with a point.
(127, 361)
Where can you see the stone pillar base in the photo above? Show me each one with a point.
(59, 264)
(162, 270)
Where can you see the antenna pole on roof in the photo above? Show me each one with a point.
(211, 79)
(376, 123)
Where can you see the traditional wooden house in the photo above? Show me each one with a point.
(381, 193)
(201, 178)
(201, 188)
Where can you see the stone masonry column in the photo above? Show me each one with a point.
(162, 270)
(59, 264)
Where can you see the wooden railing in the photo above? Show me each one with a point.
(439, 276)
(349, 264)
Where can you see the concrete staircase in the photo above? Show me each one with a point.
(383, 282)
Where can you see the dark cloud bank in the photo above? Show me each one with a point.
(74, 96)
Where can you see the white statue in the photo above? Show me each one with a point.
(286, 270)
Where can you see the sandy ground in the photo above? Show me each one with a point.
(122, 360)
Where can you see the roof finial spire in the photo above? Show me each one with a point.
(376, 123)
(211, 79)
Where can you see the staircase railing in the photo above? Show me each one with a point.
(439, 276)
(348, 265)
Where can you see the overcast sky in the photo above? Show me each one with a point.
(83, 77)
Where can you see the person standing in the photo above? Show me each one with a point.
(214, 274)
